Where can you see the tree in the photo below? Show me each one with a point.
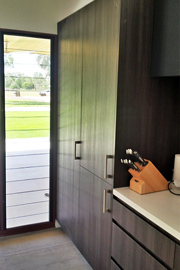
(15, 86)
(9, 79)
(20, 79)
(40, 83)
(14, 80)
(44, 63)
(28, 85)
(8, 60)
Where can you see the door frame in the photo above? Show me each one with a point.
(53, 136)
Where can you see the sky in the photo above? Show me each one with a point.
(25, 63)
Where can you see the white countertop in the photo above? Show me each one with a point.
(162, 208)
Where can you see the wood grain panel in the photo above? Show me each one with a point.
(129, 254)
(80, 193)
(107, 48)
(70, 74)
(89, 74)
(166, 37)
(177, 258)
(94, 226)
(152, 239)
(148, 113)
(85, 213)
(114, 266)
(99, 88)
(101, 225)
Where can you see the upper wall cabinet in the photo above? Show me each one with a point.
(166, 39)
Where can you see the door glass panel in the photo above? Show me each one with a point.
(27, 129)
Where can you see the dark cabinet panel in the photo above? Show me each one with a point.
(146, 106)
(85, 212)
(99, 91)
(166, 38)
(89, 74)
(94, 225)
(87, 106)
(114, 266)
(129, 254)
(150, 237)
(101, 224)
(70, 56)
(107, 49)
(177, 258)
(88, 67)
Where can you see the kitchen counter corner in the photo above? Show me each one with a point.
(162, 208)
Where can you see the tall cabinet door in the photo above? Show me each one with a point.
(94, 225)
(107, 35)
(101, 222)
(99, 95)
(70, 70)
(88, 89)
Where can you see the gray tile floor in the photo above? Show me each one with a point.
(44, 250)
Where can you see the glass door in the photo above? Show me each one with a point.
(27, 92)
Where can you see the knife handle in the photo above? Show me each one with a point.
(140, 159)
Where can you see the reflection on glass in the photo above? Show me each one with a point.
(27, 129)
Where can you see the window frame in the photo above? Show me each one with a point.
(53, 136)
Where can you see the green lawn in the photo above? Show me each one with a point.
(13, 103)
(27, 124)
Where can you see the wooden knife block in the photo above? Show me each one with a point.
(148, 180)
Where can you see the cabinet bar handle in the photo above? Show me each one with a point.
(105, 167)
(105, 210)
(75, 144)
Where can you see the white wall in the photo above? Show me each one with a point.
(37, 15)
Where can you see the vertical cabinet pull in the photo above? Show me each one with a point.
(75, 144)
(106, 175)
(105, 210)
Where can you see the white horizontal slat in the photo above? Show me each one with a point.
(27, 161)
(27, 173)
(27, 210)
(27, 144)
(11, 223)
(27, 185)
(24, 198)
(26, 152)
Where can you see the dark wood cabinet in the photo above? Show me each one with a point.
(85, 212)
(177, 258)
(94, 225)
(96, 72)
(99, 87)
(129, 254)
(102, 224)
(87, 114)
(139, 244)
(166, 38)
(89, 73)
(145, 106)
(70, 54)
(114, 266)
(159, 244)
